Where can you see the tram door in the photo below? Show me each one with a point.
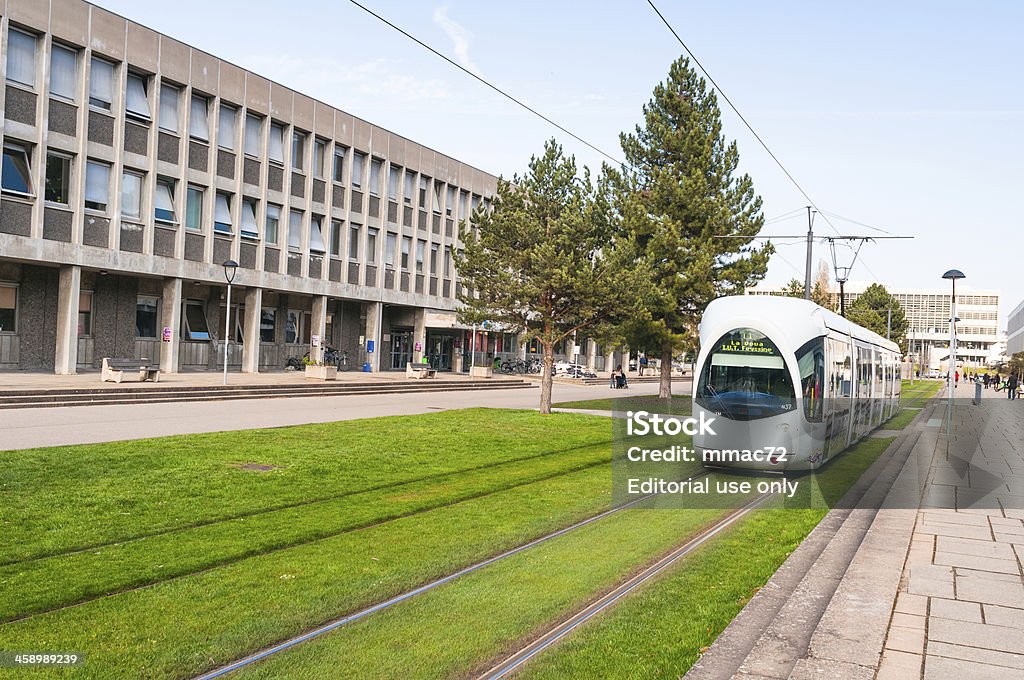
(838, 398)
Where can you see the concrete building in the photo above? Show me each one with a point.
(1015, 331)
(134, 165)
(928, 311)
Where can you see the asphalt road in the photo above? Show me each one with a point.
(29, 428)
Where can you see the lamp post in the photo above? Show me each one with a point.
(229, 273)
(952, 275)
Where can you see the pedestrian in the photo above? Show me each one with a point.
(995, 381)
(643, 364)
(984, 380)
(956, 379)
(612, 378)
(1011, 387)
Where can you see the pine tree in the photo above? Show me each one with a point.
(871, 310)
(680, 192)
(544, 258)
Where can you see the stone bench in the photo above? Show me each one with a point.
(133, 370)
(419, 371)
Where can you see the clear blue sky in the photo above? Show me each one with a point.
(906, 116)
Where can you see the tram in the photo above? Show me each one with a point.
(789, 383)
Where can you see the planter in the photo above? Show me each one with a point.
(322, 372)
(481, 372)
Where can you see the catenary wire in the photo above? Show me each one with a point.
(490, 85)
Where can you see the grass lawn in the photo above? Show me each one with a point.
(456, 630)
(912, 398)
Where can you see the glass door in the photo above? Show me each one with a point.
(401, 349)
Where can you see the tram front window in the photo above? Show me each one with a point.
(745, 378)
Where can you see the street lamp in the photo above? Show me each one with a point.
(952, 275)
(229, 273)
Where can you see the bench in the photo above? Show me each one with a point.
(134, 370)
(419, 371)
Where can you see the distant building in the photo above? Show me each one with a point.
(1015, 330)
(928, 312)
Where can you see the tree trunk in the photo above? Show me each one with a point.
(546, 381)
(665, 384)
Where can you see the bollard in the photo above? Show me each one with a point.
(977, 393)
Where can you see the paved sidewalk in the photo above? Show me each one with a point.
(959, 613)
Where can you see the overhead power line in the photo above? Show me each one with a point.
(487, 83)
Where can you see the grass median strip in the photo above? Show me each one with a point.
(176, 629)
(66, 498)
(678, 405)
(48, 583)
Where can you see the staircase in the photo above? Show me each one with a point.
(49, 398)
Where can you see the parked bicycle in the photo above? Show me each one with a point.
(332, 357)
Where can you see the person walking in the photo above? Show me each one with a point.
(1011, 387)
(984, 380)
(642, 364)
(956, 379)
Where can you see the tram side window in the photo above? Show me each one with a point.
(840, 377)
(810, 361)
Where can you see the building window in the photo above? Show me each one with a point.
(410, 184)
(463, 197)
(146, 317)
(58, 178)
(199, 118)
(424, 181)
(449, 203)
(438, 188)
(8, 308)
(406, 247)
(390, 243)
(194, 208)
(21, 58)
(169, 108)
(473, 205)
(272, 223)
(268, 324)
(336, 235)
(298, 149)
(136, 102)
(163, 200)
(295, 230)
(131, 194)
(433, 259)
(357, 169)
(316, 235)
(63, 70)
(375, 164)
(249, 227)
(16, 176)
(97, 185)
(339, 164)
(226, 127)
(101, 84)
(371, 245)
(275, 150)
(354, 232)
(222, 213)
(447, 262)
(194, 317)
(252, 135)
(394, 179)
(84, 313)
(421, 246)
(319, 158)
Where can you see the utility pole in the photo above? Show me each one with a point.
(810, 246)
(888, 323)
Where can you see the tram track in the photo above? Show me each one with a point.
(427, 587)
(554, 635)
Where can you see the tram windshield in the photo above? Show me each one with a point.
(746, 378)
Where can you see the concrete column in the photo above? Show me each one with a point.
(374, 319)
(591, 354)
(419, 335)
(170, 317)
(521, 346)
(251, 330)
(609, 361)
(70, 286)
(319, 326)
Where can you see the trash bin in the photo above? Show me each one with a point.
(977, 393)
(366, 367)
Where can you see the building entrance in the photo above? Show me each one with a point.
(401, 349)
(440, 350)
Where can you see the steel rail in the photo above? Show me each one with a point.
(555, 635)
(351, 618)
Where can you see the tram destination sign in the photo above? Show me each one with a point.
(739, 345)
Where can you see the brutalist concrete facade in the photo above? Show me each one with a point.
(136, 165)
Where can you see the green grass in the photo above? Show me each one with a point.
(456, 630)
(662, 630)
(61, 499)
(912, 398)
(680, 404)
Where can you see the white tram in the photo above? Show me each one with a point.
(790, 384)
